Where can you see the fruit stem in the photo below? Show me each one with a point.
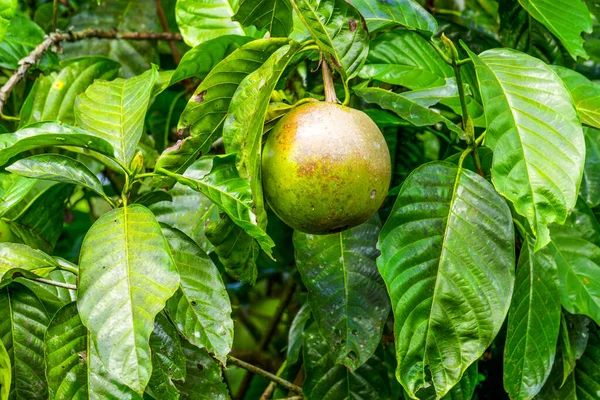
(328, 82)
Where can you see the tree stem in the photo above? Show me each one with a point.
(255, 370)
(53, 283)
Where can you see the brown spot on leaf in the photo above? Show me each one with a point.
(335, 62)
(175, 147)
(586, 280)
(199, 98)
(352, 25)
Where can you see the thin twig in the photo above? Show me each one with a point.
(57, 37)
(255, 370)
(165, 26)
(53, 283)
(54, 14)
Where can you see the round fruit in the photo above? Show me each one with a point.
(5, 233)
(325, 168)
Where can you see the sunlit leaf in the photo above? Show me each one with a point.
(272, 15)
(15, 257)
(7, 12)
(13, 188)
(5, 372)
(586, 95)
(202, 20)
(21, 37)
(381, 14)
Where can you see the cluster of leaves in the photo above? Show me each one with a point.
(133, 223)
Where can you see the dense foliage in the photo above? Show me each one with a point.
(139, 258)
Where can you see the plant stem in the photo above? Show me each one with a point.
(255, 370)
(67, 266)
(165, 26)
(56, 37)
(54, 14)
(53, 283)
(328, 86)
(462, 97)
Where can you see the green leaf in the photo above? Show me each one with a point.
(168, 360)
(22, 36)
(533, 323)
(58, 168)
(126, 276)
(463, 390)
(575, 332)
(408, 109)
(243, 129)
(447, 257)
(204, 379)
(326, 379)
(575, 246)
(232, 194)
(566, 19)
(135, 56)
(272, 15)
(73, 368)
(15, 257)
(352, 311)
(381, 14)
(47, 134)
(339, 30)
(297, 328)
(200, 308)
(53, 95)
(236, 250)
(5, 372)
(530, 115)
(200, 60)
(7, 12)
(405, 58)
(590, 184)
(115, 111)
(53, 297)
(13, 188)
(586, 95)
(202, 20)
(23, 321)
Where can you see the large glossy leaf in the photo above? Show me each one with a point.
(409, 109)
(339, 30)
(73, 368)
(564, 18)
(590, 184)
(327, 380)
(59, 168)
(7, 12)
(346, 294)
(272, 15)
(202, 20)
(533, 323)
(127, 275)
(135, 56)
(200, 308)
(200, 60)
(53, 297)
(5, 372)
(232, 194)
(23, 321)
(46, 134)
(447, 258)
(13, 188)
(168, 360)
(22, 36)
(586, 95)
(53, 95)
(575, 246)
(574, 334)
(115, 111)
(463, 390)
(530, 115)
(243, 128)
(405, 58)
(15, 257)
(299, 324)
(381, 14)
(204, 380)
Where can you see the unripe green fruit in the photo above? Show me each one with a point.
(325, 168)
(5, 232)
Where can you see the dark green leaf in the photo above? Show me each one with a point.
(5, 372)
(115, 111)
(23, 321)
(590, 184)
(46, 134)
(447, 257)
(59, 168)
(204, 380)
(22, 36)
(346, 294)
(125, 259)
(381, 14)
(530, 115)
(272, 15)
(533, 323)
(326, 379)
(295, 336)
(53, 297)
(200, 308)
(23, 259)
(575, 332)
(566, 19)
(339, 30)
(463, 390)
(13, 188)
(575, 246)
(53, 96)
(202, 20)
